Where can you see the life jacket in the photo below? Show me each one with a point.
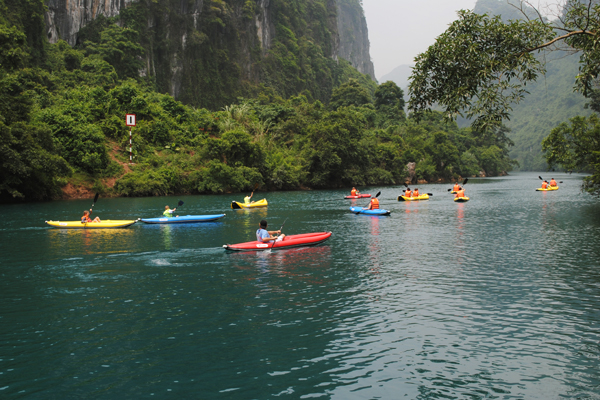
(374, 203)
(460, 193)
(456, 187)
(416, 193)
(168, 213)
(85, 219)
(247, 200)
(353, 192)
(553, 183)
(408, 193)
(544, 185)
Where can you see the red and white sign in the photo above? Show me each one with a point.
(130, 120)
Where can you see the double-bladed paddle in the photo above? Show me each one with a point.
(542, 179)
(358, 212)
(279, 233)
(95, 199)
(464, 183)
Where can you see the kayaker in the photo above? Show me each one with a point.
(168, 212)
(374, 204)
(247, 199)
(415, 193)
(545, 185)
(86, 217)
(407, 193)
(460, 192)
(553, 182)
(263, 235)
(354, 192)
(456, 187)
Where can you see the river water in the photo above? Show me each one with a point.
(497, 298)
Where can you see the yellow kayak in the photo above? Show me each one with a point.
(423, 196)
(260, 203)
(549, 188)
(461, 199)
(107, 224)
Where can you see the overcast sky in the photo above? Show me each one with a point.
(401, 29)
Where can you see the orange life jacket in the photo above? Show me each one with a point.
(408, 193)
(374, 203)
(353, 192)
(416, 193)
(460, 193)
(456, 187)
(544, 185)
(553, 183)
(85, 219)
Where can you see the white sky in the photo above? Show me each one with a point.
(401, 29)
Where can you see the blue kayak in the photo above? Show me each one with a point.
(182, 219)
(360, 210)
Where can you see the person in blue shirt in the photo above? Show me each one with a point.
(263, 235)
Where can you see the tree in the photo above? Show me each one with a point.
(480, 66)
(349, 93)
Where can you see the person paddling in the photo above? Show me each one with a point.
(354, 192)
(247, 199)
(415, 193)
(374, 204)
(456, 187)
(407, 193)
(553, 183)
(86, 217)
(168, 212)
(545, 185)
(460, 192)
(264, 236)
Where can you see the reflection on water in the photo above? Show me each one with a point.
(494, 298)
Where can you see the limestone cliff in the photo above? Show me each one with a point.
(209, 52)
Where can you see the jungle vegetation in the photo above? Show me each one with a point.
(481, 66)
(62, 120)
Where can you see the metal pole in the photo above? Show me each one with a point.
(130, 156)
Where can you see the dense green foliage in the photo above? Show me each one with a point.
(481, 65)
(63, 109)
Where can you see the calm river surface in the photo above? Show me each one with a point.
(497, 298)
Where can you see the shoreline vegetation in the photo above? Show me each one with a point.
(63, 132)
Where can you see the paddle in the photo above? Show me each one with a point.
(95, 199)
(358, 212)
(279, 233)
(464, 183)
(428, 194)
(179, 204)
(542, 179)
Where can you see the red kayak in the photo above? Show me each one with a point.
(305, 239)
(360, 196)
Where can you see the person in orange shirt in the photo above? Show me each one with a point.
(553, 182)
(354, 192)
(374, 204)
(456, 187)
(460, 192)
(415, 193)
(545, 185)
(407, 193)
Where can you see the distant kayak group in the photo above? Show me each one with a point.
(265, 239)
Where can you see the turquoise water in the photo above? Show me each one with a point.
(497, 298)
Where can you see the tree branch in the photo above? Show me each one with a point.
(558, 38)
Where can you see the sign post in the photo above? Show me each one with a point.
(130, 122)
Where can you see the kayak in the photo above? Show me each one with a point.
(461, 199)
(182, 219)
(359, 196)
(548, 189)
(260, 203)
(360, 210)
(305, 239)
(424, 196)
(106, 224)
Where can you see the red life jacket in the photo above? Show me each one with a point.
(353, 192)
(374, 203)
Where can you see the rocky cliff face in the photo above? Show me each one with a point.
(195, 46)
